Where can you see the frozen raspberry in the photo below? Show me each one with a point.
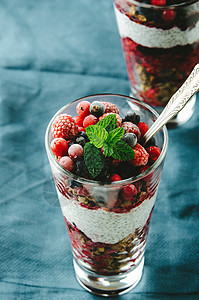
(66, 162)
(59, 146)
(132, 128)
(119, 120)
(78, 120)
(128, 192)
(90, 120)
(111, 108)
(75, 151)
(115, 177)
(83, 108)
(154, 153)
(64, 127)
(143, 128)
(141, 156)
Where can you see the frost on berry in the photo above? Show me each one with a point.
(131, 128)
(111, 108)
(75, 151)
(141, 156)
(66, 162)
(64, 127)
(59, 146)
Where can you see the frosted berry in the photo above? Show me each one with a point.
(130, 139)
(132, 117)
(119, 119)
(154, 153)
(141, 156)
(97, 108)
(115, 177)
(83, 108)
(59, 146)
(75, 151)
(143, 128)
(111, 108)
(90, 120)
(128, 192)
(66, 162)
(132, 128)
(78, 120)
(64, 127)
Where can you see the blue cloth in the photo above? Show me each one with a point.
(52, 52)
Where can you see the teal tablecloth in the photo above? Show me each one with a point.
(52, 52)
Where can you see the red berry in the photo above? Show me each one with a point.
(148, 177)
(64, 127)
(66, 162)
(119, 120)
(81, 129)
(75, 151)
(141, 156)
(59, 146)
(168, 15)
(158, 2)
(132, 128)
(83, 108)
(128, 192)
(143, 128)
(115, 177)
(90, 120)
(78, 120)
(154, 153)
(110, 108)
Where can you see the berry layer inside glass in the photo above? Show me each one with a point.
(160, 45)
(107, 216)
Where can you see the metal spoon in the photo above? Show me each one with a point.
(176, 103)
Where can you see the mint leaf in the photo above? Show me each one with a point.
(108, 149)
(109, 122)
(97, 135)
(93, 158)
(122, 151)
(115, 135)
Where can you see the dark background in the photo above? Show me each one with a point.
(52, 52)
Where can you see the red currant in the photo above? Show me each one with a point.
(59, 146)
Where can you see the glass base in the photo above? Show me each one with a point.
(108, 285)
(183, 116)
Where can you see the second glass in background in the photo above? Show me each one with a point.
(160, 46)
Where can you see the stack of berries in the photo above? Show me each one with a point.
(99, 144)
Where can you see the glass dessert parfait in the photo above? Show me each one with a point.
(160, 41)
(107, 183)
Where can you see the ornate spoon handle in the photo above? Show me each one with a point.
(176, 103)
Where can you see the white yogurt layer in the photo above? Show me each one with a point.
(103, 226)
(154, 37)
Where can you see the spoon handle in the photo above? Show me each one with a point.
(176, 103)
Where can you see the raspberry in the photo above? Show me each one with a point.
(111, 108)
(154, 153)
(78, 120)
(143, 128)
(128, 192)
(119, 120)
(83, 108)
(130, 127)
(141, 156)
(75, 151)
(90, 120)
(59, 146)
(115, 177)
(168, 15)
(66, 162)
(64, 127)
(158, 2)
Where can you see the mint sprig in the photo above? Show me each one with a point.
(105, 134)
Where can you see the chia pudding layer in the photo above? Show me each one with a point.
(160, 45)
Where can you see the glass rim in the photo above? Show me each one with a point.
(100, 183)
(169, 6)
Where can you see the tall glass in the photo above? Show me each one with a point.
(160, 40)
(107, 232)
